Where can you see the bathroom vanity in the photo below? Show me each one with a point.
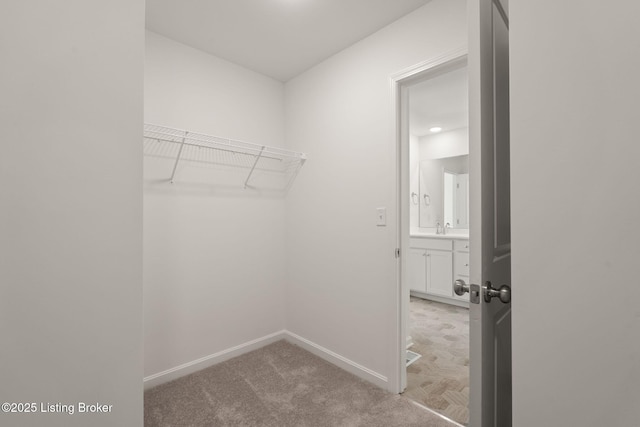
(435, 262)
(439, 214)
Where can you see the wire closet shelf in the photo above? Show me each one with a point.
(255, 159)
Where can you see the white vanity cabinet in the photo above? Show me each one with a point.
(439, 276)
(433, 265)
(417, 269)
(461, 265)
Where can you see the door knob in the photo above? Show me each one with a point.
(504, 293)
(460, 288)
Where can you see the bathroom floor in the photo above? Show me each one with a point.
(440, 378)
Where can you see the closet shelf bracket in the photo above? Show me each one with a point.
(254, 166)
(175, 165)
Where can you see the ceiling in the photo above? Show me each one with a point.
(441, 101)
(277, 38)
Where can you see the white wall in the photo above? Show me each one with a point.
(575, 213)
(71, 209)
(341, 285)
(214, 253)
(445, 144)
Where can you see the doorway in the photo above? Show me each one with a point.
(432, 101)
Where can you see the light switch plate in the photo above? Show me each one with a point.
(382, 217)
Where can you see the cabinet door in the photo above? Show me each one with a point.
(461, 265)
(417, 269)
(440, 273)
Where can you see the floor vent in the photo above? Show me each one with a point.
(412, 356)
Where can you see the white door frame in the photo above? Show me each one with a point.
(399, 82)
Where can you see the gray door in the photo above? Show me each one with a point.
(490, 239)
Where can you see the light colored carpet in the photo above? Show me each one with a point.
(279, 385)
(440, 378)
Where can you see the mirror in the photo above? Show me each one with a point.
(439, 151)
(444, 192)
(456, 199)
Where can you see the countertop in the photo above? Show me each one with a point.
(457, 236)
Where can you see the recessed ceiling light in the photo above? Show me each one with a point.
(435, 129)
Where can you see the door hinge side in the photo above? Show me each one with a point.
(397, 252)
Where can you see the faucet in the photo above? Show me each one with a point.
(444, 229)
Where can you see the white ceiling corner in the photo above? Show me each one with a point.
(277, 38)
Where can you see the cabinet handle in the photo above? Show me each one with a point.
(466, 265)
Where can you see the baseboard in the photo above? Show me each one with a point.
(213, 359)
(338, 360)
(436, 298)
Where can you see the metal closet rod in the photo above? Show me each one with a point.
(181, 136)
(228, 149)
(184, 137)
